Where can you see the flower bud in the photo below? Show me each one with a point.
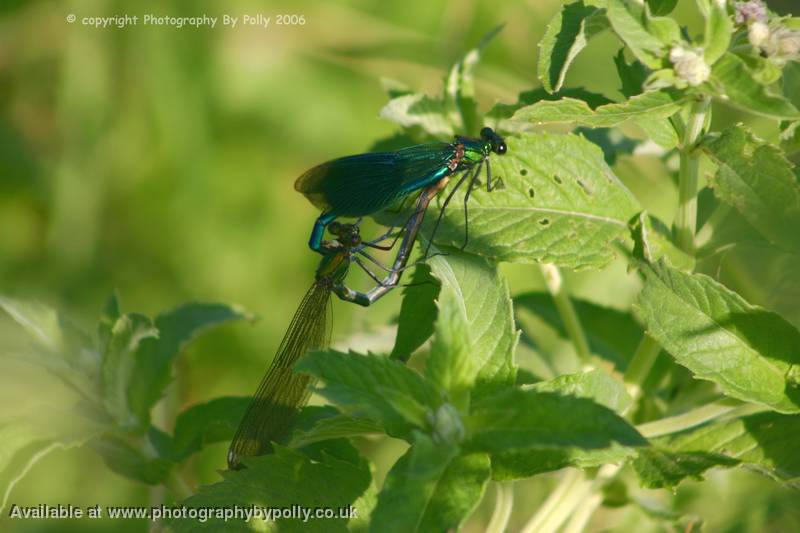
(689, 65)
(784, 44)
(446, 424)
(751, 11)
(758, 34)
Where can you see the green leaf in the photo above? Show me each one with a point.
(176, 329)
(717, 335)
(501, 112)
(457, 494)
(285, 479)
(511, 465)
(595, 385)
(740, 89)
(373, 387)
(665, 29)
(628, 19)
(459, 92)
(661, 7)
(632, 76)
(653, 104)
(40, 321)
(791, 82)
(475, 334)
(411, 486)
(18, 454)
(659, 130)
(417, 313)
(612, 334)
(567, 33)
(335, 427)
(756, 178)
(562, 210)
(790, 137)
(129, 460)
(418, 110)
(42, 408)
(30, 433)
(529, 420)
(611, 140)
(118, 363)
(111, 313)
(207, 423)
(654, 240)
(531, 432)
(57, 346)
(717, 37)
(765, 442)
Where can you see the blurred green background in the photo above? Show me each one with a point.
(159, 162)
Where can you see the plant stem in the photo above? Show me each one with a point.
(686, 217)
(695, 417)
(555, 284)
(705, 233)
(178, 486)
(504, 503)
(571, 478)
(639, 368)
(575, 489)
(582, 515)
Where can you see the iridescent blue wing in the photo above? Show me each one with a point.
(359, 185)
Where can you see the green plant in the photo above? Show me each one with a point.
(689, 377)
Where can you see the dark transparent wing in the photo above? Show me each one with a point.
(282, 392)
(362, 184)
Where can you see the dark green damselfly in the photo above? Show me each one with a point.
(282, 392)
(363, 184)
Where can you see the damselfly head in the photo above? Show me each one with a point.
(351, 238)
(348, 235)
(496, 142)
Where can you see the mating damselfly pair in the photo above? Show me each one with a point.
(353, 187)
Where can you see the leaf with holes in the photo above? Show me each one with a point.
(558, 201)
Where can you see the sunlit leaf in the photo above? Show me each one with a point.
(720, 337)
(567, 33)
(475, 334)
(756, 178)
(373, 387)
(764, 442)
(739, 88)
(562, 210)
(284, 479)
